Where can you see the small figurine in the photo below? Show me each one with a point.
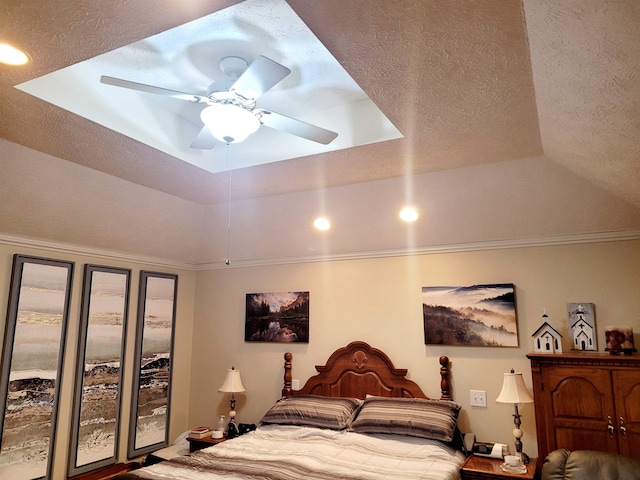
(546, 339)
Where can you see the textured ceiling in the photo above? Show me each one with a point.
(585, 57)
(468, 84)
(455, 79)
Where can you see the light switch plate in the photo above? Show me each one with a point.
(295, 384)
(478, 398)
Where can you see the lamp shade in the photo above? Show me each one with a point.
(514, 391)
(232, 382)
(229, 123)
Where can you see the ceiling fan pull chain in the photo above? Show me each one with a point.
(228, 262)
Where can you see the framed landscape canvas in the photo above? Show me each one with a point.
(476, 315)
(32, 355)
(150, 409)
(277, 317)
(103, 322)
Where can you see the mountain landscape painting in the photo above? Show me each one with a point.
(277, 317)
(476, 315)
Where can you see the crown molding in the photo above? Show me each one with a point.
(70, 249)
(615, 236)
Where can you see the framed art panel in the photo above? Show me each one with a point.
(101, 347)
(149, 426)
(476, 315)
(277, 317)
(32, 354)
(582, 326)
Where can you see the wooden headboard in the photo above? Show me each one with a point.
(358, 370)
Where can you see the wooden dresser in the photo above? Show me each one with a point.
(587, 401)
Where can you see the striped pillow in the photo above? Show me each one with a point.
(434, 419)
(313, 411)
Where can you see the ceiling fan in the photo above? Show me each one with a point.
(231, 114)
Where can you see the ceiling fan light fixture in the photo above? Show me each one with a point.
(229, 123)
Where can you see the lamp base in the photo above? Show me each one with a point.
(525, 458)
(232, 430)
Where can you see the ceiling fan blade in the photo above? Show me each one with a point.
(117, 82)
(205, 140)
(260, 76)
(297, 127)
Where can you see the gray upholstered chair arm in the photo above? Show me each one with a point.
(589, 465)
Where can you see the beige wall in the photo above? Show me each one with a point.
(379, 301)
(182, 363)
(375, 300)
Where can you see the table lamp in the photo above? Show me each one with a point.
(514, 392)
(232, 384)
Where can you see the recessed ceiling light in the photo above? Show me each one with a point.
(322, 223)
(409, 214)
(12, 55)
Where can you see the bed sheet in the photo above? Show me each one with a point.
(276, 452)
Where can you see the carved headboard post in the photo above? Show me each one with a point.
(287, 389)
(445, 382)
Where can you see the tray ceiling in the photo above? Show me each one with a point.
(187, 59)
(536, 101)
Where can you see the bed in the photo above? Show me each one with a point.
(359, 418)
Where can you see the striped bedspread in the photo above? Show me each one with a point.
(288, 452)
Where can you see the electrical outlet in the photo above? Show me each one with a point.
(478, 398)
(295, 384)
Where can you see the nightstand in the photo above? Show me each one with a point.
(108, 472)
(196, 444)
(482, 468)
